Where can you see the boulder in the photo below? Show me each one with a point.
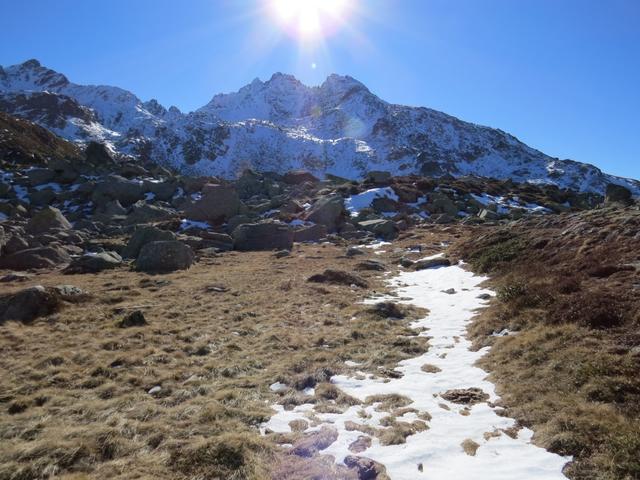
(431, 263)
(163, 191)
(617, 194)
(382, 228)
(311, 233)
(40, 257)
(328, 211)
(297, 177)
(262, 236)
(115, 187)
(98, 154)
(141, 212)
(47, 219)
(29, 304)
(164, 257)
(217, 204)
(441, 203)
(221, 241)
(94, 262)
(144, 235)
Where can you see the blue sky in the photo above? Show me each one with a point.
(561, 75)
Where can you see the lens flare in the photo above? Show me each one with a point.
(310, 19)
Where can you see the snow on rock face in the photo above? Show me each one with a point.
(339, 127)
(355, 203)
(438, 449)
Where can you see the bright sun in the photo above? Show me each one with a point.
(309, 19)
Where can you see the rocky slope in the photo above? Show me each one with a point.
(339, 127)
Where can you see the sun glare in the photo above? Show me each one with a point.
(309, 19)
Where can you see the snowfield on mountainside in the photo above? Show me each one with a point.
(339, 128)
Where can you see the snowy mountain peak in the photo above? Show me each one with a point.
(338, 127)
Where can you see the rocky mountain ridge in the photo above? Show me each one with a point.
(339, 127)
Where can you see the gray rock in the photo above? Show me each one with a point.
(374, 265)
(328, 211)
(115, 187)
(382, 228)
(431, 263)
(133, 319)
(34, 258)
(142, 212)
(262, 236)
(164, 257)
(94, 262)
(311, 233)
(47, 219)
(29, 304)
(217, 204)
(441, 203)
(144, 235)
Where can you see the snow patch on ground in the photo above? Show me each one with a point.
(438, 449)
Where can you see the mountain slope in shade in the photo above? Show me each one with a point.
(339, 127)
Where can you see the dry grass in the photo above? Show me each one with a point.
(75, 395)
(567, 287)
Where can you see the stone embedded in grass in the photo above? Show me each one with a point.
(338, 277)
(373, 265)
(388, 310)
(133, 319)
(354, 251)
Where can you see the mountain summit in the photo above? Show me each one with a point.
(339, 127)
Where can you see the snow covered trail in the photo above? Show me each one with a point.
(437, 450)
